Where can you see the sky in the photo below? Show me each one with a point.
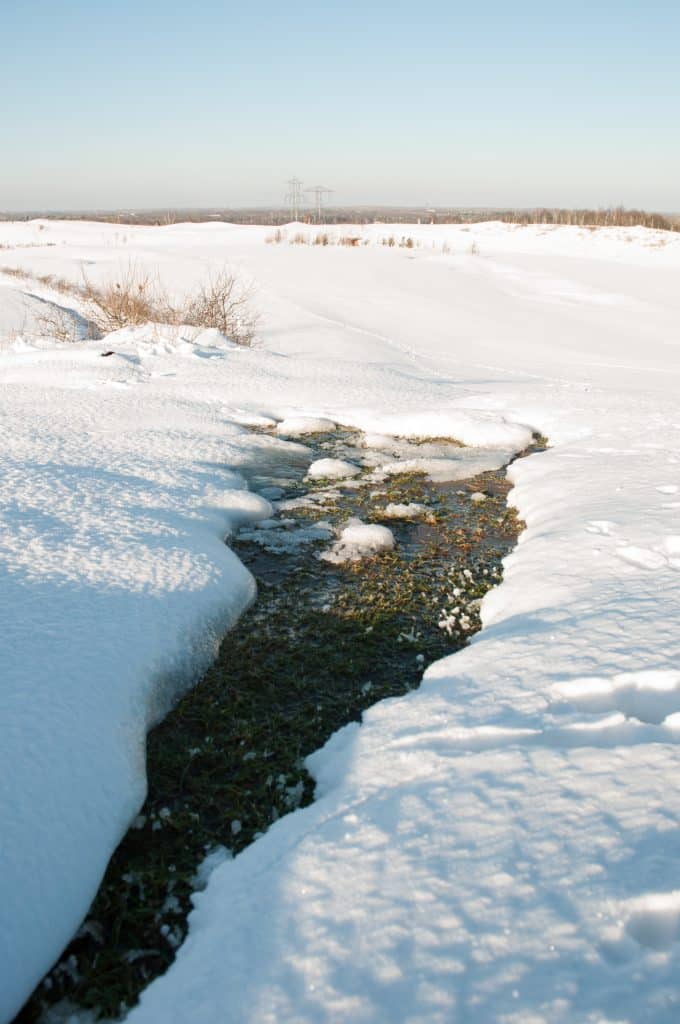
(143, 103)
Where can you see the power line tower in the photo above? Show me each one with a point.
(319, 192)
(294, 197)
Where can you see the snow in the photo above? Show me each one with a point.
(299, 426)
(500, 845)
(409, 510)
(359, 540)
(332, 469)
(479, 428)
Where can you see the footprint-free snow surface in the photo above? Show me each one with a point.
(503, 843)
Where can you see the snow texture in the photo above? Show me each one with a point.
(500, 845)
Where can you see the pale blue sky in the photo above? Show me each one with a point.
(154, 102)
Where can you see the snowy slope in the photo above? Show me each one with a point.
(500, 845)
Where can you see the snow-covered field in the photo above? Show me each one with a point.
(501, 845)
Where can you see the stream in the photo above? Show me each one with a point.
(334, 629)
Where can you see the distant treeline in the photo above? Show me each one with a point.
(616, 216)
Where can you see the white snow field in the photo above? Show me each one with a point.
(502, 845)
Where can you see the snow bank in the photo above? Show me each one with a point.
(298, 426)
(359, 540)
(116, 589)
(480, 429)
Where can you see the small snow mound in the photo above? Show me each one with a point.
(650, 696)
(359, 540)
(332, 469)
(210, 337)
(654, 920)
(478, 496)
(413, 510)
(298, 426)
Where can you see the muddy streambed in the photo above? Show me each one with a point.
(324, 640)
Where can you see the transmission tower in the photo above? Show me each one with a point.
(319, 192)
(294, 197)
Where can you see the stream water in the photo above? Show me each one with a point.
(324, 641)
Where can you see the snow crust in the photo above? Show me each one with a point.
(500, 845)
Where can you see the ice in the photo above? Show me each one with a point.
(280, 541)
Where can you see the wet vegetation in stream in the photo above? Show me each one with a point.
(323, 642)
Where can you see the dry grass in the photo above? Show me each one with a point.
(15, 272)
(221, 302)
(136, 297)
(61, 325)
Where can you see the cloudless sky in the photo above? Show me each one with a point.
(140, 103)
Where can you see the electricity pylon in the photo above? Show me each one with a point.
(294, 197)
(319, 191)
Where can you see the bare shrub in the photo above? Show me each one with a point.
(321, 238)
(299, 239)
(136, 297)
(59, 284)
(223, 303)
(131, 300)
(276, 238)
(349, 240)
